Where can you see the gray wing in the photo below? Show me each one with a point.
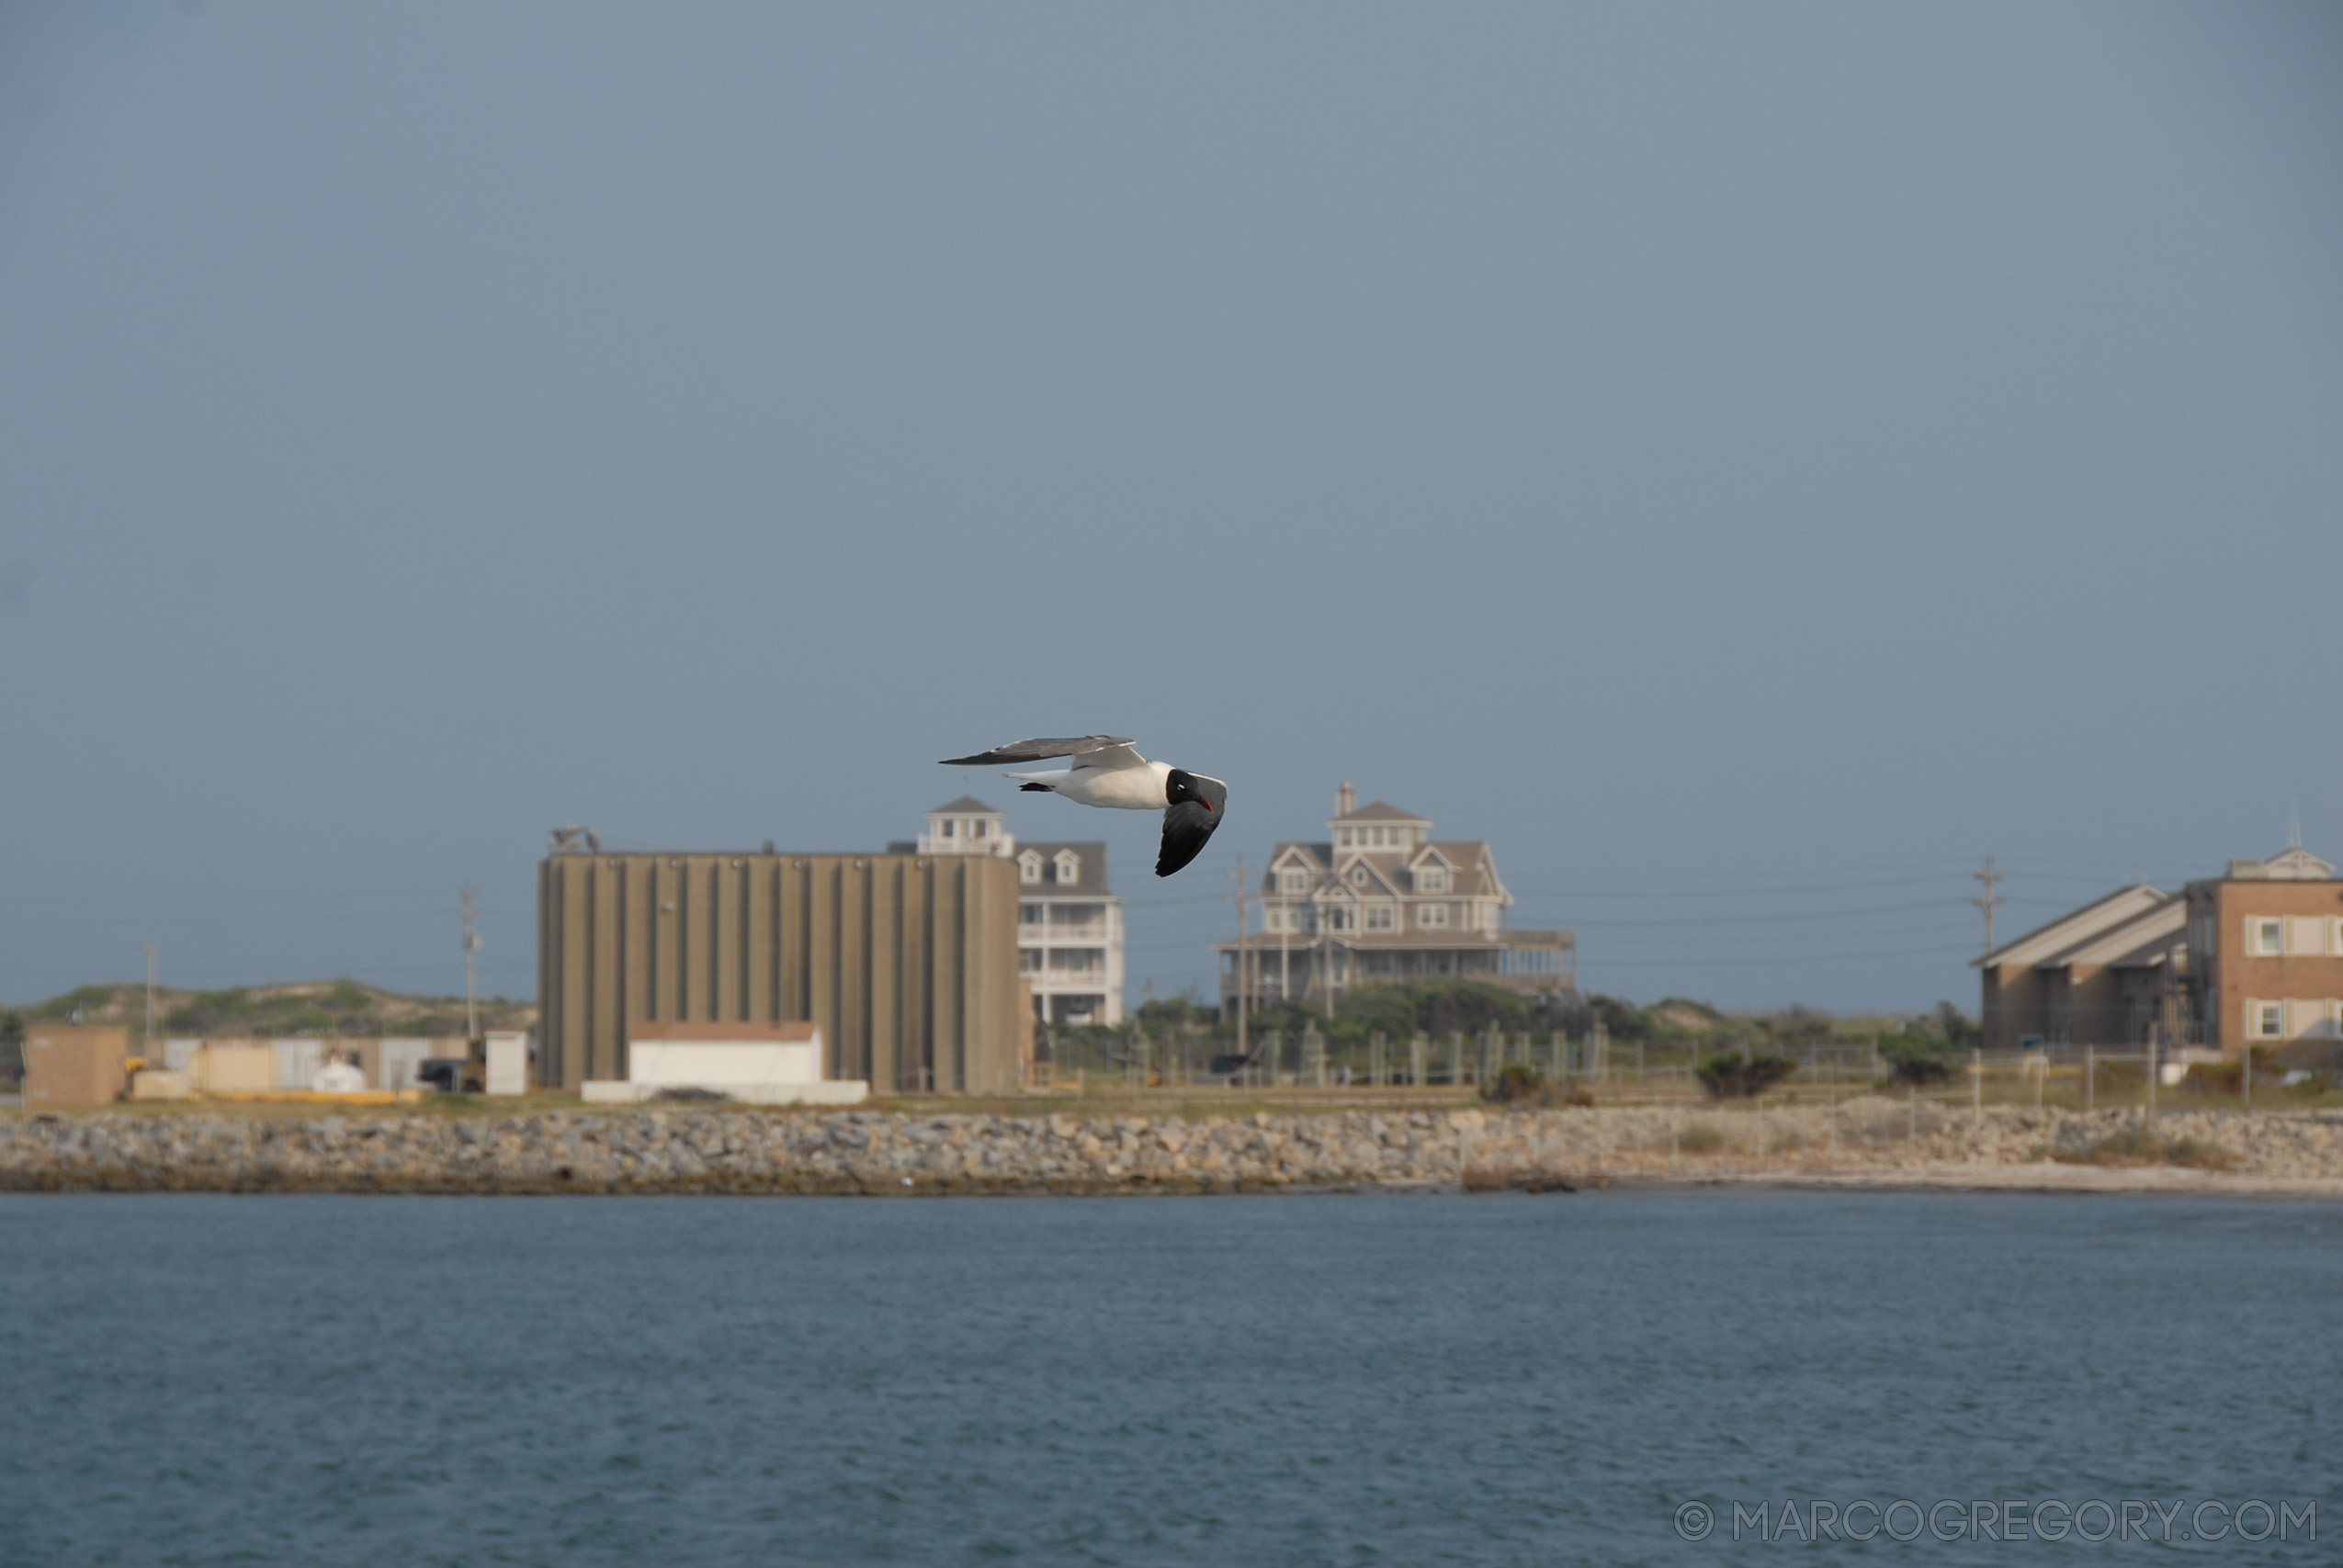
(1103, 757)
(1035, 751)
(1188, 826)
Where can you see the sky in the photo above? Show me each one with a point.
(1747, 463)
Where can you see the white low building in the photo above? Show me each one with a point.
(757, 1064)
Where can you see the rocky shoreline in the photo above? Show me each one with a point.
(1870, 1141)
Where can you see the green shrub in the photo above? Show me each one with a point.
(2145, 1145)
(1920, 1060)
(1735, 1075)
(1514, 1082)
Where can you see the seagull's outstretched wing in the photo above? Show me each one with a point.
(1035, 751)
(1188, 825)
(1098, 759)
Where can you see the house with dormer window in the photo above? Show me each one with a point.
(1381, 901)
(1070, 925)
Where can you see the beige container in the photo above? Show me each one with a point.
(508, 1062)
(157, 1083)
(74, 1067)
(234, 1066)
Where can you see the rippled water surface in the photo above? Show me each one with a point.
(1274, 1380)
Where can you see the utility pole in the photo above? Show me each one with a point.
(1988, 900)
(1238, 898)
(1285, 954)
(472, 952)
(147, 1051)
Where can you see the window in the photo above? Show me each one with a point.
(1081, 914)
(1292, 880)
(1078, 959)
(1029, 870)
(1379, 918)
(1031, 914)
(2265, 1021)
(976, 828)
(1432, 917)
(1358, 876)
(1070, 866)
(2265, 936)
(1431, 879)
(1338, 918)
(1346, 837)
(1029, 960)
(948, 827)
(1278, 917)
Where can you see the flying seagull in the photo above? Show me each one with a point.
(1106, 772)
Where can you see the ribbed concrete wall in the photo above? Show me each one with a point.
(909, 963)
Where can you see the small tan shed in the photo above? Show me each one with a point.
(74, 1067)
(234, 1066)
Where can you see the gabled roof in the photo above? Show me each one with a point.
(1090, 881)
(1380, 876)
(2119, 907)
(967, 805)
(2133, 943)
(1472, 868)
(1382, 811)
(2295, 864)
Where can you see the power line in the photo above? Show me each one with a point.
(243, 920)
(1722, 892)
(210, 901)
(1764, 920)
(471, 960)
(1739, 963)
(1914, 867)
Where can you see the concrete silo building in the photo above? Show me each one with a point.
(907, 961)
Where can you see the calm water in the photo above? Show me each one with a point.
(1289, 1381)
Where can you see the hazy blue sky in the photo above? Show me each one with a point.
(1747, 462)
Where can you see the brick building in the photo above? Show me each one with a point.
(2254, 955)
(2270, 937)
